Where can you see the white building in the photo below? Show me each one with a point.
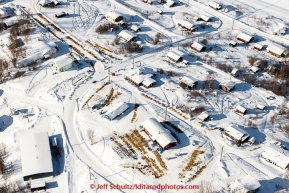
(174, 56)
(114, 17)
(116, 110)
(277, 156)
(235, 72)
(246, 184)
(198, 46)
(46, 3)
(134, 28)
(10, 22)
(236, 133)
(141, 79)
(187, 25)
(277, 51)
(36, 156)
(245, 37)
(127, 35)
(258, 46)
(254, 69)
(62, 63)
(203, 116)
(158, 133)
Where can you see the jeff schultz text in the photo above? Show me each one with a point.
(147, 187)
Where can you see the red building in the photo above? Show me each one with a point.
(158, 133)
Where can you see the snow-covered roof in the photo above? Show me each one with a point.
(205, 18)
(189, 81)
(30, 59)
(258, 46)
(116, 110)
(126, 35)
(148, 81)
(42, 47)
(245, 184)
(235, 71)
(252, 140)
(276, 49)
(113, 15)
(215, 5)
(186, 24)
(63, 60)
(134, 28)
(241, 109)
(245, 37)
(10, 21)
(171, 3)
(203, 116)
(254, 69)
(158, 132)
(237, 132)
(35, 154)
(174, 56)
(277, 155)
(228, 84)
(198, 46)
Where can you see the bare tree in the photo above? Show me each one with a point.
(209, 82)
(283, 107)
(91, 136)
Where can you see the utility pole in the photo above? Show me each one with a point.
(132, 62)
(166, 113)
(27, 116)
(233, 24)
(77, 104)
(222, 153)
(109, 75)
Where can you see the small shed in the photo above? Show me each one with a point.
(252, 140)
(160, 12)
(171, 3)
(203, 116)
(258, 47)
(236, 133)
(232, 43)
(174, 56)
(60, 14)
(260, 107)
(189, 82)
(254, 69)
(62, 63)
(116, 110)
(205, 18)
(235, 72)
(245, 38)
(246, 184)
(161, 1)
(37, 185)
(227, 86)
(241, 110)
(198, 46)
(277, 156)
(114, 17)
(127, 35)
(134, 28)
(276, 50)
(187, 25)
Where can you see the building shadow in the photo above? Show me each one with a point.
(5, 122)
(57, 154)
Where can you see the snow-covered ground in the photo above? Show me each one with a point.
(66, 104)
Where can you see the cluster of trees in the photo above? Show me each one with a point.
(14, 187)
(225, 67)
(131, 47)
(157, 38)
(3, 68)
(102, 28)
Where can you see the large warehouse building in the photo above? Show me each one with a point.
(36, 156)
